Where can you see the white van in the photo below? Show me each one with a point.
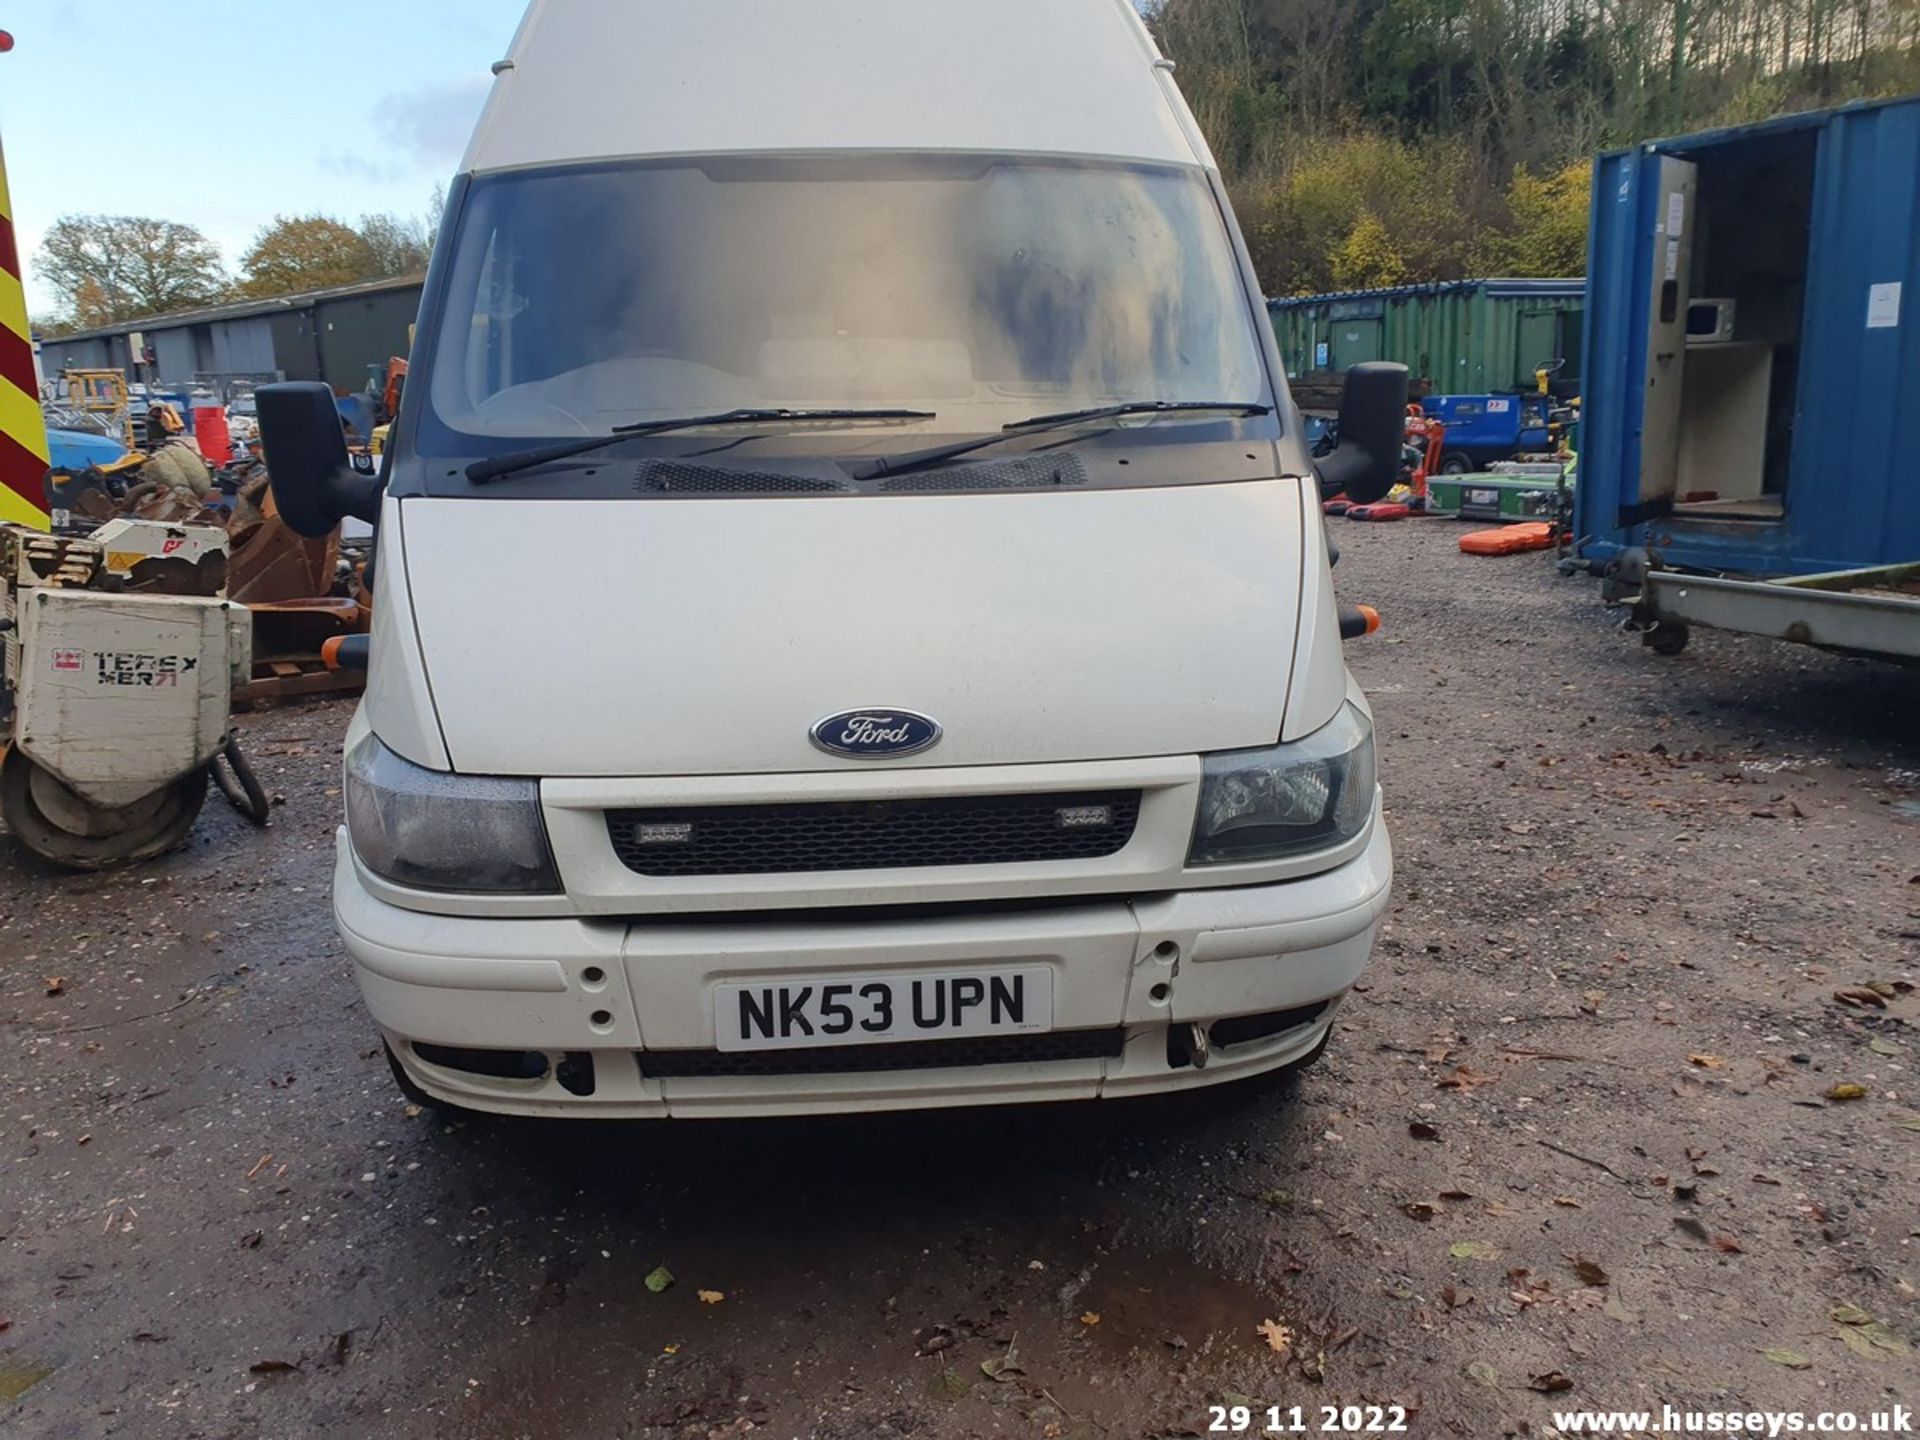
(854, 628)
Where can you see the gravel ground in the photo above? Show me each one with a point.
(1581, 1128)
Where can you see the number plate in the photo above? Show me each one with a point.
(878, 1009)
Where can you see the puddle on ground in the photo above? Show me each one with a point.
(1169, 1304)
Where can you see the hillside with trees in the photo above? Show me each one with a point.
(1382, 142)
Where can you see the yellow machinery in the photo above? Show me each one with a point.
(103, 392)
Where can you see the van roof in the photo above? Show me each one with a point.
(600, 79)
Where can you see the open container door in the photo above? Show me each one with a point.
(1672, 185)
(1638, 289)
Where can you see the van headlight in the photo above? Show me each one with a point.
(1312, 794)
(432, 831)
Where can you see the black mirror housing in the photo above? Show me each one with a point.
(314, 483)
(1373, 427)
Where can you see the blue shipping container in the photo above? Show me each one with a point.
(1752, 364)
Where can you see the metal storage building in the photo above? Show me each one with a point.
(1457, 337)
(338, 335)
(1753, 350)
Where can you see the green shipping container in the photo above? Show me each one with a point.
(1458, 337)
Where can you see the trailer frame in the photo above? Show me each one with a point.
(1873, 612)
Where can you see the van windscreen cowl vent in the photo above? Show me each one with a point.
(679, 477)
(1019, 472)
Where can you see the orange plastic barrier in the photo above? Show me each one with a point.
(1509, 539)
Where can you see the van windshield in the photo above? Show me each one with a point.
(984, 289)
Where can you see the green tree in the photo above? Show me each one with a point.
(306, 252)
(109, 268)
(1366, 259)
(1545, 229)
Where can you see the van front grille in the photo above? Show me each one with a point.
(873, 835)
(1050, 1047)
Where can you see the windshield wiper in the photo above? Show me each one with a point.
(481, 471)
(937, 455)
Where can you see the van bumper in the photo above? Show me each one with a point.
(608, 1018)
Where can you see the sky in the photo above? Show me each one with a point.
(224, 113)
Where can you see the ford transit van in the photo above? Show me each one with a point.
(853, 627)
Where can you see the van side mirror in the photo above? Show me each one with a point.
(1373, 428)
(314, 484)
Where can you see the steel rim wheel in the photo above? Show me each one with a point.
(65, 829)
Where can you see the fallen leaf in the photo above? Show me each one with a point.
(1464, 1077)
(1849, 1315)
(1485, 1374)
(1861, 997)
(272, 1367)
(710, 1297)
(1551, 1383)
(1419, 1210)
(1472, 1250)
(948, 1385)
(1882, 1047)
(660, 1280)
(1090, 1317)
(1792, 1359)
(1455, 1195)
(1279, 1199)
(1847, 1090)
(1589, 1271)
(1566, 1202)
(1691, 1227)
(1421, 1130)
(1708, 1062)
(56, 984)
(1873, 1341)
(1727, 1245)
(1278, 1337)
(1456, 1299)
(1908, 1122)
(1002, 1369)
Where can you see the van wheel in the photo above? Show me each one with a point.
(413, 1092)
(1454, 463)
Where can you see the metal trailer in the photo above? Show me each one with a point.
(1873, 612)
(1456, 337)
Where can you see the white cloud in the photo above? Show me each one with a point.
(431, 125)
